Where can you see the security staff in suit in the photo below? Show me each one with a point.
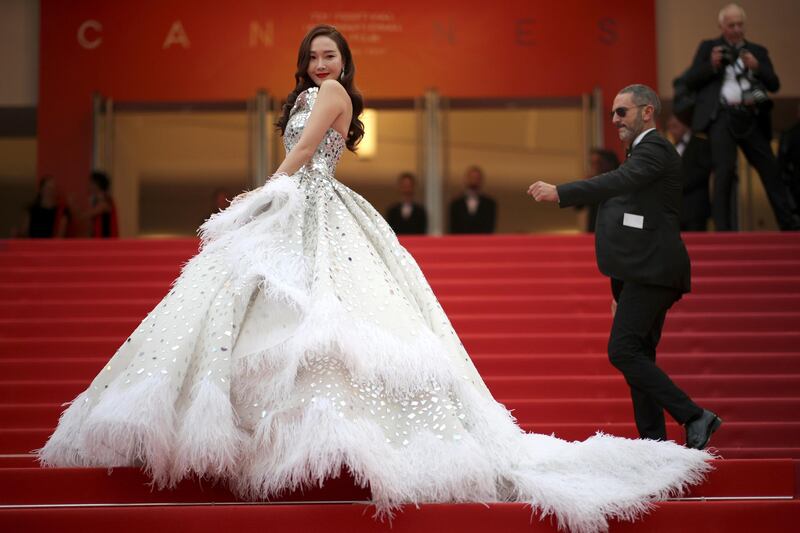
(789, 160)
(407, 217)
(695, 153)
(473, 212)
(638, 245)
(731, 77)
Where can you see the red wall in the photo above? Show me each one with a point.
(514, 48)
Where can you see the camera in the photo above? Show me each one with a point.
(729, 54)
(755, 95)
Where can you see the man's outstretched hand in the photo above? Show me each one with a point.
(543, 192)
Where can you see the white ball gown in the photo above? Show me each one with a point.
(303, 339)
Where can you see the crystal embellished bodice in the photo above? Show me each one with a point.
(329, 150)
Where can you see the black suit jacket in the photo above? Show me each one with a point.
(416, 224)
(789, 160)
(483, 221)
(696, 172)
(696, 164)
(789, 154)
(647, 184)
(707, 84)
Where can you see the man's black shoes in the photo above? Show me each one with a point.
(699, 430)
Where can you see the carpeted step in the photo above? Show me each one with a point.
(747, 516)
(42, 486)
(600, 303)
(619, 410)
(763, 322)
(739, 341)
(732, 434)
(755, 452)
(18, 461)
(565, 386)
(600, 286)
(546, 364)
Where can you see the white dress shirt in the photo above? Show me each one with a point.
(472, 202)
(406, 209)
(680, 146)
(734, 83)
(640, 137)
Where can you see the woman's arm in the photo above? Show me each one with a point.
(332, 101)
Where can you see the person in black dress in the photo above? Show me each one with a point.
(48, 216)
(102, 213)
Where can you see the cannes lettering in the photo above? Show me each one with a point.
(90, 35)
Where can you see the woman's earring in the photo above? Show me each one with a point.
(341, 76)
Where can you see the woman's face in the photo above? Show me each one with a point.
(326, 60)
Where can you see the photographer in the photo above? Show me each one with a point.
(731, 77)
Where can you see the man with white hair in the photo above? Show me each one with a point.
(731, 77)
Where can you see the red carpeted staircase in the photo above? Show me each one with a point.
(534, 314)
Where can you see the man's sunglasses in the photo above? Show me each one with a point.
(622, 111)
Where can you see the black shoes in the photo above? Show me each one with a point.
(699, 430)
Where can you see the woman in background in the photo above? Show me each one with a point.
(48, 216)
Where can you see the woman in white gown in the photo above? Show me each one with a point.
(304, 339)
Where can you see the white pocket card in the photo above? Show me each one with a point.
(633, 221)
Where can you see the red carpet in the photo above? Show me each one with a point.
(772, 516)
(532, 311)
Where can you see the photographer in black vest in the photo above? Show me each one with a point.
(731, 78)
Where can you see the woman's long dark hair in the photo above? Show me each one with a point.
(303, 81)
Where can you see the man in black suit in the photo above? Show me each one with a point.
(695, 152)
(407, 217)
(473, 212)
(789, 160)
(731, 77)
(638, 245)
